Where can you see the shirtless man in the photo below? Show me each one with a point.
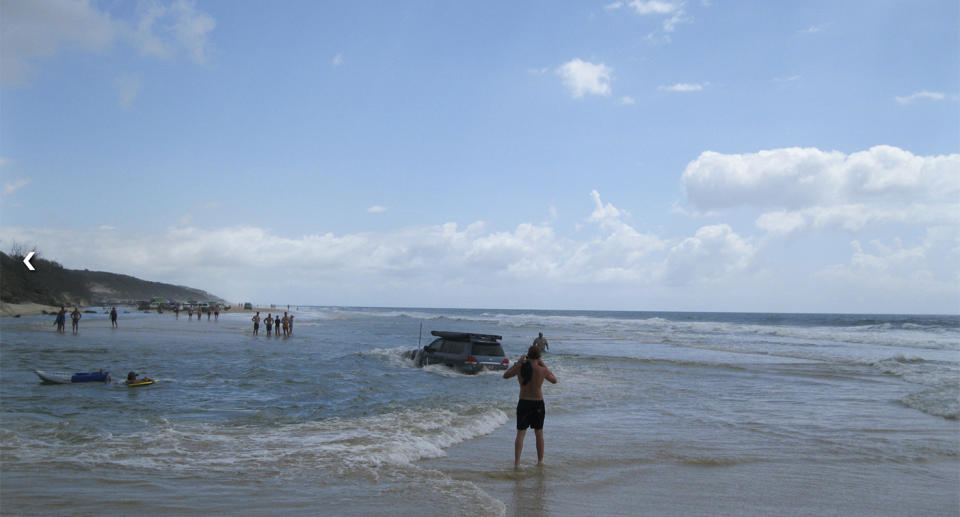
(75, 316)
(531, 372)
(256, 323)
(541, 342)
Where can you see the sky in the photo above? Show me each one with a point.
(613, 155)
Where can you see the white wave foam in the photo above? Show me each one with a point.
(943, 402)
(338, 444)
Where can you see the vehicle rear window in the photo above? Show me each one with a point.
(452, 347)
(493, 349)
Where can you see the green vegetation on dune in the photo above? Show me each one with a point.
(52, 284)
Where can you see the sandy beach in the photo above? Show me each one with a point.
(13, 310)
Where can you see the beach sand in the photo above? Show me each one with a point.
(25, 309)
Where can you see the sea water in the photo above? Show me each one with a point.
(654, 414)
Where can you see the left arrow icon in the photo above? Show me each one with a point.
(26, 261)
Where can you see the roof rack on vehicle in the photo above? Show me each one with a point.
(465, 336)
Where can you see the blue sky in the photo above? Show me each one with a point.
(644, 155)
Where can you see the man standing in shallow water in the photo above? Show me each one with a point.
(531, 372)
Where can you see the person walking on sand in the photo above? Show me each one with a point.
(256, 323)
(113, 317)
(541, 343)
(531, 371)
(269, 322)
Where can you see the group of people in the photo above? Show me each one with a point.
(215, 311)
(61, 319)
(285, 323)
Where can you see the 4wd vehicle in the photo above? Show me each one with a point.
(463, 351)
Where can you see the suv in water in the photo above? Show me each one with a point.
(463, 351)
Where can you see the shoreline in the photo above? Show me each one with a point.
(16, 310)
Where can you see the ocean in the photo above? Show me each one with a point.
(654, 414)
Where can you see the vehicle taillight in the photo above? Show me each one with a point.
(471, 359)
(505, 361)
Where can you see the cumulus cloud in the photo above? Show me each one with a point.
(714, 253)
(582, 77)
(922, 276)
(40, 29)
(613, 252)
(882, 183)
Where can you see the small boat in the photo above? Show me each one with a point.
(68, 378)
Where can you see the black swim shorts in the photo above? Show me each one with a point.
(530, 413)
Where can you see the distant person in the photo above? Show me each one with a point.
(276, 325)
(291, 325)
(113, 317)
(132, 378)
(286, 324)
(269, 322)
(209, 313)
(75, 317)
(176, 311)
(216, 313)
(190, 312)
(256, 323)
(530, 408)
(61, 320)
(541, 343)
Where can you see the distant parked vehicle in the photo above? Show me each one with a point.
(463, 351)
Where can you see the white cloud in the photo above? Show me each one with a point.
(786, 79)
(921, 95)
(807, 189)
(682, 88)
(169, 30)
(128, 87)
(10, 188)
(582, 77)
(655, 7)
(921, 277)
(803, 177)
(626, 100)
(781, 223)
(377, 209)
(337, 60)
(613, 6)
(39, 29)
(714, 253)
